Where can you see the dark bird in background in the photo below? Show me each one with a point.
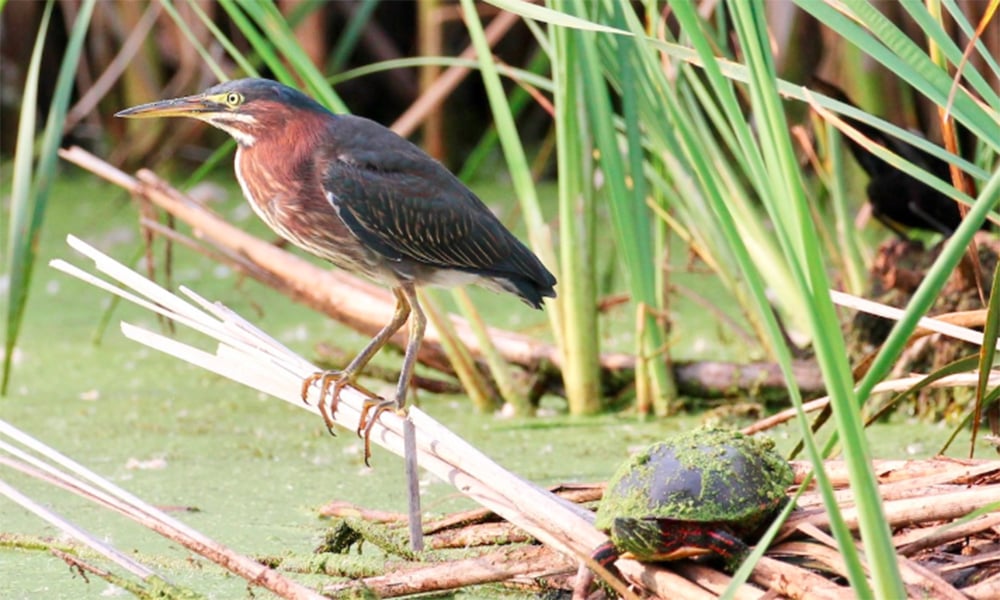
(898, 200)
(351, 191)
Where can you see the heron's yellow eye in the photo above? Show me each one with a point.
(234, 99)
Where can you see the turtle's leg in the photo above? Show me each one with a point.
(679, 539)
(605, 555)
(609, 577)
(730, 548)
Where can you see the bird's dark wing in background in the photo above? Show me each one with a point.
(895, 196)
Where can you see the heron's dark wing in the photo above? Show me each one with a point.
(403, 204)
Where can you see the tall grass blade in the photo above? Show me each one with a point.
(347, 41)
(866, 27)
(31, 185)
(987, 353)
(19, 234)
(976, 42)
(517, 162)
(796, 233)
(185, 29)
(268, 18)
(261, 45)
(951, 54)
(627, 191)
(577, 204)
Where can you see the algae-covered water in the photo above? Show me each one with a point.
(248, 470)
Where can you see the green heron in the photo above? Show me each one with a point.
(351, 191)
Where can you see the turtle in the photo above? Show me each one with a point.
(703, 492)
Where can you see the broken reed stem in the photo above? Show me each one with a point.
(890, 385)
(505, 563)
(70, 529)
(93, 487)
(903, 513)
(930, 537)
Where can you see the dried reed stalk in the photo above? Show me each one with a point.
(38, 460)
(504, 563)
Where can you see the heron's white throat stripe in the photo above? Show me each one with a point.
(230, 123)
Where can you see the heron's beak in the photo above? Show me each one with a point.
(188, 106)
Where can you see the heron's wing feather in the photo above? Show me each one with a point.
(404, 205)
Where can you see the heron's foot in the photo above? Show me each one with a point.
(369, 414)
(331, 383)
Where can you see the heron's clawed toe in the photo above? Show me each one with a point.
(369, 414)
(331, 383)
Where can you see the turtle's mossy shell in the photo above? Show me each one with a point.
(708, 475)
